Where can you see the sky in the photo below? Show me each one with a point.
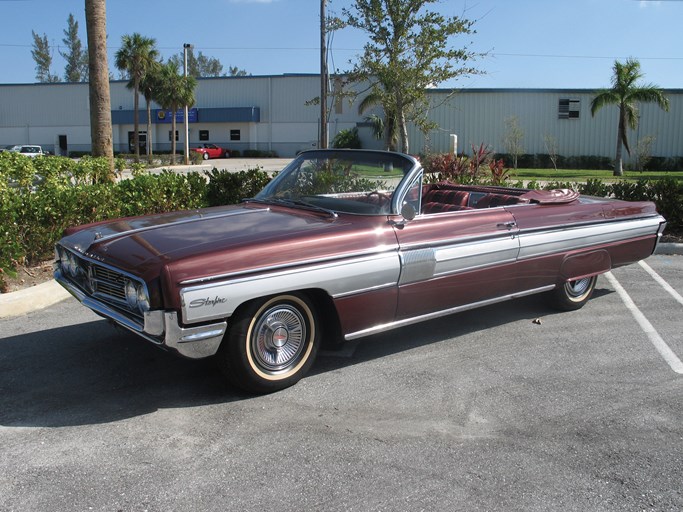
(527, 43)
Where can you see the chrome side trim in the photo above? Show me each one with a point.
(284, 266)
(484, 253)
(445, 312)
(536, 243)
(205, 302)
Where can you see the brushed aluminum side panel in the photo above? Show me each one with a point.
(344, 277)
(462, 257)
(417, 265)
(561, 240)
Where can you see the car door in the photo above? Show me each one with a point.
(455, 258)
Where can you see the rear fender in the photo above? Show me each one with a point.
(585, 264)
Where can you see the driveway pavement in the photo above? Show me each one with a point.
(510, 407)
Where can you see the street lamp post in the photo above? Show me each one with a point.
(186, 47)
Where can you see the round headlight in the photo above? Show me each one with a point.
(64, 261)
(131, 294)
(143, 299)
(73, 264)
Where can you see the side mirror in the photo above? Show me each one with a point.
(408, 212)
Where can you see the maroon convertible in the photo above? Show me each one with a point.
(342, 244)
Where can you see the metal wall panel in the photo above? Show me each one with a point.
(479, 116)
(31, 112)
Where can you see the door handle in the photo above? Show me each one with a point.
(507, 225)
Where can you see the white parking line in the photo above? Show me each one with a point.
(661, 281)
(661, 346)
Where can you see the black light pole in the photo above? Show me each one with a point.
(323, 78)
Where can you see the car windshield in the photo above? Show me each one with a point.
(344, 181)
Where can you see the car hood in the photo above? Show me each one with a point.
(193, 244)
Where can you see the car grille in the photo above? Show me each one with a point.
(106, 283)
(101, 282)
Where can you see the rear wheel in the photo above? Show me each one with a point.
(271, 344)
(205, 156)
(573, 294)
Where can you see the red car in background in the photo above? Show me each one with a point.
(212, 151)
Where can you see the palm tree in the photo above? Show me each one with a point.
(149, 86)
(100, 100)
(136, 56)
(386, 128)
(626, 94)
(176, 91)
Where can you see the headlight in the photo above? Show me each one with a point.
(131, 294)
(73, 265)
(64, 261)
(136, 296)
(143, 299)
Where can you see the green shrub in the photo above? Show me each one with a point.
(347, 139)
(595, 187)
(231, 187)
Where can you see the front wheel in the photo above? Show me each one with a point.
(271, 344)
(205, 156)
(573, 294)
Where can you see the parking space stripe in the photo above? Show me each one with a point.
(672, 359)
(661, 282)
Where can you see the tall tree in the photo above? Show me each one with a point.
(408, 51)
(176, 91)
(76, 58)
(100, 99)
(150, 85)
(136, 55)
(626, 93)
(43, 58)
(384, 128)
(200, 66)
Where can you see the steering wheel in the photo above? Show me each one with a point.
(383, 200)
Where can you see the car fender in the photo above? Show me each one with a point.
(585, 264)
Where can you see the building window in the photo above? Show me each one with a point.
(235, 135)
(203, 134)
(176, 135)
(568, 109)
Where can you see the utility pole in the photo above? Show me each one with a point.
(186, 47)
(323, 78)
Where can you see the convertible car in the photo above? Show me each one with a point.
(342, 244)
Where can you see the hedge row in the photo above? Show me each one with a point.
(590, 162)
(40, 198)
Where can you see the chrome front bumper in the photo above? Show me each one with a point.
(159, 327)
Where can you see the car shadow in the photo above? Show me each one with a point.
(93, 373)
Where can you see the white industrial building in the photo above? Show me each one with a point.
(277, 113)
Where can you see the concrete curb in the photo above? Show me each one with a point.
(47, 294)
(31, 299)
(676, 249)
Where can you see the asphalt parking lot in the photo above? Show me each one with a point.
(510, 407)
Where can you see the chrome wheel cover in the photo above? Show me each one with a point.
(278, 339)
(579, 288)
